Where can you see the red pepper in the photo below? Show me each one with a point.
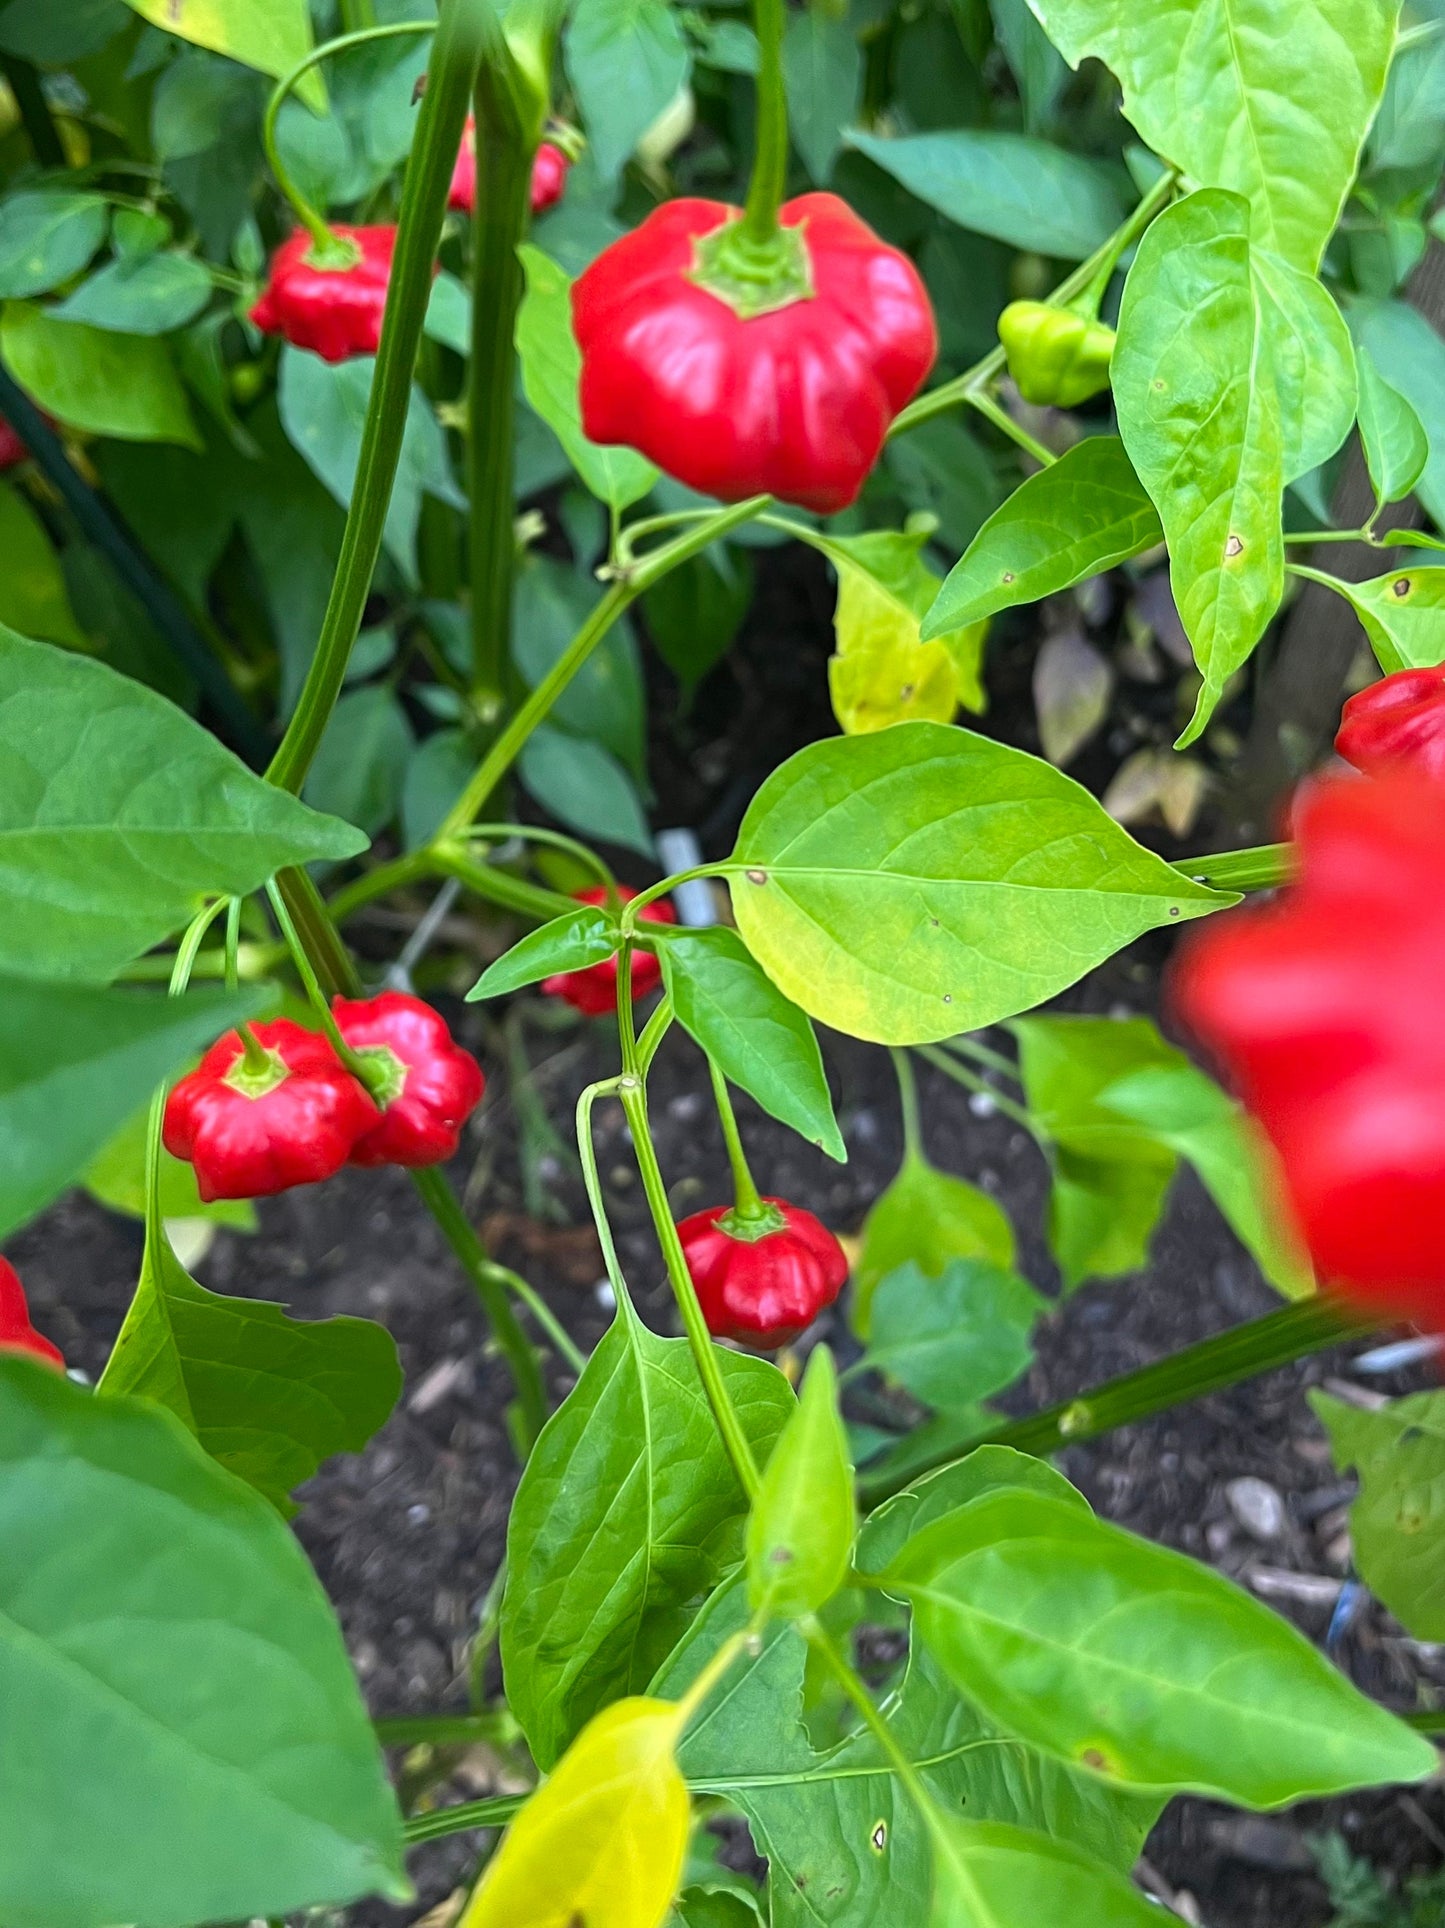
(12, 450)
(333, 309)
(549, 175)
(431, 1086)
(593, 990)
(16, 1332)
(250, 1131)
(764, 1289)
(1399, 720)
(793, 401)
(1327, 1010)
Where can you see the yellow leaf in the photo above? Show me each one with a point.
(601, 1843)
(271, 35)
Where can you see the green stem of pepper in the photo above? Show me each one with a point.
(987, 406)
(769, 180)
(747, 1200)
(908, 1102)
(1263, 867)
(970, 1080)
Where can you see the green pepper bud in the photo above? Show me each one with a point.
(1057, 357)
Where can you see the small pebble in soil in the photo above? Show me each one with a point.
(1258, 1506)
(981, 1105)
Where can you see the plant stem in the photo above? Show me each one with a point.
(770, 153)
(44, 135)
(970, 1080)
(494, 1813)
(1310, 537)
(435, 1730)
(455, 54)
(500, 886)
(908, 1100)
(1261, 868)
(873, 1719)
(983, 401)
(983, 1054)
(747, 1203)
(359, 1069)
(1241, 1352)
(380, 881)
(592, 1180)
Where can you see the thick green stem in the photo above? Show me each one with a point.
(500, 886)
(1262, 868)
(747, 1200)
(770, 156)
(428, 176)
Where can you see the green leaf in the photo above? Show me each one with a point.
(1403, 614)
(117, 813)
(1083, 514)
(605, 700)
(570, 943)
(954, 1339)
(437, 772)
(1396, 449)
(822, 71)
(33, 595)
(801, 1528)
(268, 1396)
(1310, 359)
(584, 787)
(626, 60)
(75, 1063)
(1398, 337)
(146, 297)
(1129, 1659)
(107, 384)
(627, 1511)
(1102, 1214)
(755, 1036)
(551, 367)
(1397, 1521)
(46, 239)
(990, 1875)
(928, 1218)
(1200, 418)
(1026, 192)
(922, 881)
(171, 1662)
(695, 611)
(116, 1176)
(1233, 102)
(988, 1469)
(272, 35)
(361, 762)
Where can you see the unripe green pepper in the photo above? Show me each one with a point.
(1057, 357)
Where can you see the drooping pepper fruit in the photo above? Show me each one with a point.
(788, 391)
(430, 1086)
(253, 1129)
(762, 1287)
(593, 990)
(1057, 357)
(549, 174)
(331, 306)
(16, 1332)
(1397, 722)
(1326, 1009)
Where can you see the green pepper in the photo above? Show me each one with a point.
(1057, 357)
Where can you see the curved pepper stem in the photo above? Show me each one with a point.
(751, 1217)
(770, 153)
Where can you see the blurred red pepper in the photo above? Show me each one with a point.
(333, 307)
(1326, 1008)
(16, 1332)
(12, 450)
(1399, 720)
(256, 1123)
(742, 390)
(593, 990)
(762, 1288)
(549, 175)
(431, 1087)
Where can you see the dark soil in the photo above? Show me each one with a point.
(407, 1535)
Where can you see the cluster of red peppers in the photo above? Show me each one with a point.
(549, 175)
(278, 1107)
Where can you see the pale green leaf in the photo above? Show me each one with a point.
(1403, 614)
(1394, 442)
(822, 70)
(990, 1875)
(47, 238)
(928, 1218)
(89, 378)
(800, 1531)
(33, 597)
(1400, 339)
(626, 60)
(149, 296)
(1397, 1521)
(272, 35)
(1311, 360)
(569, 943)
(988, 1469)
(954, 1339)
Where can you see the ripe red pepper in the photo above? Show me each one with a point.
(12, 450)
(762, 1289)
(253, 1131)
(431, 1086)
(16, 1332)
(1397, 721)
(334, 309)
(793, 400)
(549, 175)
(1326, 1009)
(593, 990)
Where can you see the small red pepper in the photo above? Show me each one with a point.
(788, 391)
(252, 1128)
(549, 174)
(12, 450)
(1326, 1009)
(1399, 720)
(430, 1088)
(762, 1287)
(335, 307)
(16, 1332)
(593, 989)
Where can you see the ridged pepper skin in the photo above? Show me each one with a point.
(1057, 358)
(762, 1292)
(1327, 1009)
(433, 1085)
(248, 1140)
(16, 1332)
(1397, 722)
(334, 311)
(549, 175)
(593, 990)
(794, 402)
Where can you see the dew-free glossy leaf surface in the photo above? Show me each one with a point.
(924, 880)
(269, 34)
(990, 1875)
(929, 1218)
(988, 1469)
(585, 787)
(569, 943)
(626, 59)
(1397, 1520)
(882, 673)
(627, 1511)
(34, 598)
(800, 1531)
(953, 1339)
(89, 378)
(1395, 445)
(46, 238)
(171, 1673)
(146, 297)
(1403, 613)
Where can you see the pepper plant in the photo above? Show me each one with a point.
(324, 337)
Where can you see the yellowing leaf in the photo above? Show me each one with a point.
(602, 1842)
(271, 35)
